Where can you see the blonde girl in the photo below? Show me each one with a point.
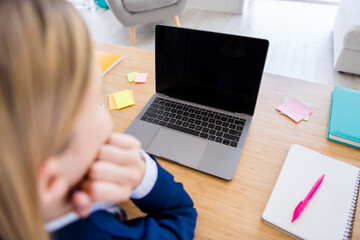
(55, 138)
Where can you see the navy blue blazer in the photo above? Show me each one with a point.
(170, 215)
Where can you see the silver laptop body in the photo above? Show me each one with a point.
(206, 89)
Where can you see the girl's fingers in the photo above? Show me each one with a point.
(82, 203)
(118, 155)
(106, 191)
(124, 141)
(110, 172)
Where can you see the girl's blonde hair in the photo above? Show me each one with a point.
(45, 58)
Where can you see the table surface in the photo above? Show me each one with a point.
(233, 209)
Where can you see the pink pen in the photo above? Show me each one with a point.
(300, 207)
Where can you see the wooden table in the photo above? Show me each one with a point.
(233, 209)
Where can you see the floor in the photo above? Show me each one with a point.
(300, 35)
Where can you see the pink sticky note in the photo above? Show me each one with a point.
(294, 109)
(141, 77)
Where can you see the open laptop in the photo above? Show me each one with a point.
(207, 85)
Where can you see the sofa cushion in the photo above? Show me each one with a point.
(347, 24)
(352, 38)
(146, 5)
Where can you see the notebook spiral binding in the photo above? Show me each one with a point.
(350, 221)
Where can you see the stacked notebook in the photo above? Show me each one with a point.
(344, 121)
(330, 212)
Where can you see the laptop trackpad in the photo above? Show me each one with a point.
(176, 146)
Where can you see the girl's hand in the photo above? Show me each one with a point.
(117, 171)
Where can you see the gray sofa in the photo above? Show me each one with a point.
(346, 35)
(135, 12)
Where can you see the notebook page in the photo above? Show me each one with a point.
(326, 215)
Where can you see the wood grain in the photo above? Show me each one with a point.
(233, 209)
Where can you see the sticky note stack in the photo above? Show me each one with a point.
(131, 76)
(294, 109)
(141, 78)
(304, 102)
(121, 99)
(137, 77)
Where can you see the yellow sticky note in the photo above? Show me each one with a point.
(112, 104)
(124, 99)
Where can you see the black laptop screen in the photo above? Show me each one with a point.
(213, 69)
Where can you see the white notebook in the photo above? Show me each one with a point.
(330, 212)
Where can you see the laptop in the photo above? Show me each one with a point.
(207, 85)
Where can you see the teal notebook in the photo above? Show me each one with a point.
(344, 121)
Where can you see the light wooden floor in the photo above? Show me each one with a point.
(300, 35)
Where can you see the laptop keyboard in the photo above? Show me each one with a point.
(218, 127)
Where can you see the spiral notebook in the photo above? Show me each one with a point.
(330, 212)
